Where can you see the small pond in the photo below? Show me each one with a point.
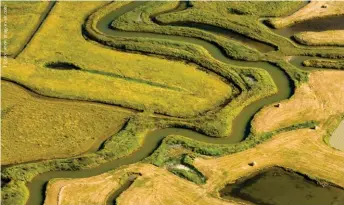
(315, 25)
(276, 186)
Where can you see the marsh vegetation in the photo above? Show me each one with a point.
(169, 85)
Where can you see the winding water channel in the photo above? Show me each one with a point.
(240, 124)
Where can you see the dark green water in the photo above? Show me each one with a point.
(316, 25)
(298, 62)
(112, 199)
(240, 124)
(275, 186)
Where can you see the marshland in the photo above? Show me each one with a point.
(120, 102)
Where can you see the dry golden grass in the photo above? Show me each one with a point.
(317, 100)
(59, 190)
(34, 128)
(155, 186)
(311, 11)
(324, 38)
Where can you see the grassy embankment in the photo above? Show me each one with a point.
(214, 13)
(35, 128)
(324, 63)
(313, 10)
(324, 38)
(20, 21)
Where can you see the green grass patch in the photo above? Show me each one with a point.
(324, 63)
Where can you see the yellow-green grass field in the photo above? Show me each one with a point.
(20, 19)
(35, 127)
(130, 80)
(324, 38)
